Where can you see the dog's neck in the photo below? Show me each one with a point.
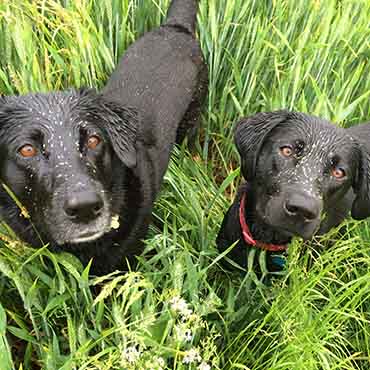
(259, 229)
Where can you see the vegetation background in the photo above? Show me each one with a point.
(180, 309)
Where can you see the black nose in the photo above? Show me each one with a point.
(84, 206)
(304, 206)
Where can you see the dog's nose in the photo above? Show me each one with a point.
(299, 205)
(84, 206)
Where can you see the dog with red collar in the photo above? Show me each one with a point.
(303, 175)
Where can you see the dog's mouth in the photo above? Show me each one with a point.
(304, 233)
(302, 219)
(63, 228)
(304, 230)
(89, 235)
(289, 228)
(86, 237)
(74, 233)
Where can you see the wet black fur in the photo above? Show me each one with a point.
(152, 100)
(272, 180)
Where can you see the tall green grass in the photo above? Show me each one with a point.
(180, 304)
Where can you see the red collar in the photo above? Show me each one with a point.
(248, 238)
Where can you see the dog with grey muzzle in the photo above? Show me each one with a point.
(303, 175)
(88, 165)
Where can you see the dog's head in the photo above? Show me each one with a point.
(301, 167)
(59, 155)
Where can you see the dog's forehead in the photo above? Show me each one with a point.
(56, 121)
(57, 124)
(55, 110)
(323, 145)
(319, 137)
(56, 113)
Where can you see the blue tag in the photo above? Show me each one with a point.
(279, 261)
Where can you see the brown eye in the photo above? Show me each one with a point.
(286, 151)
(28, 151)
(338, 173)
(93, 141)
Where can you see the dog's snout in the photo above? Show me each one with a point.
(84, 206)
(298, 205)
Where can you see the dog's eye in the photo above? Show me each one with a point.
(286, 151)
(93, 141)
(338, 172)
(28, 151)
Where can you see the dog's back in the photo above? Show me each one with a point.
(163, 76)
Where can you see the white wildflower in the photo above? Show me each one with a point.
(191, 356)
(131, 354)
(161, 362)
(179, 305)
(137, 278)
(188, 335)
(204, 366)
(154, 363)
(183, 334)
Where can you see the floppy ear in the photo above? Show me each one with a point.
(2, 104)
(250, 134)
(4, 110)
(119, 122)
(361, 187)
(121, 125)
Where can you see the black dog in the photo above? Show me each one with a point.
(304, 175)
(88, 166)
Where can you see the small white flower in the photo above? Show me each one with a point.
(183, 334)
(204, 366)
(131, 354)
(161, 362)
(188, 335)
(155, 363)
(179, 305)
(191, 356)
(136, 279)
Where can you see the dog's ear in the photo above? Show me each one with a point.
(2, 104)
(4, 110)
(361, 186)
(119, 122)
(2, 101)
(250, 134)
(121, 126)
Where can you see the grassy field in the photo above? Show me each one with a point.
(180, 309)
